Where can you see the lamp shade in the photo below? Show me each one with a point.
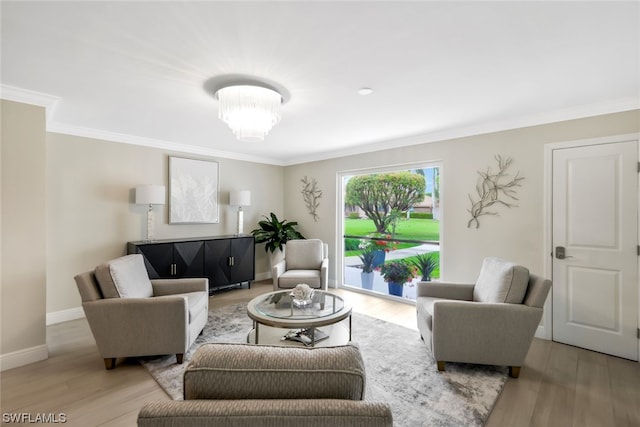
(240, 198)
(150, 195)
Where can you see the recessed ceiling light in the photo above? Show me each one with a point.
(365, 91)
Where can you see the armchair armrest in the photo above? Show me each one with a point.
(448, 290)
(324, 274)
(276, 271)
(179, 286)
(486, 333)
(138, 326)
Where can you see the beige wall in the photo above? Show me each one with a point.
(67, 205)
(91, 213)
(517, 234)
(23, 230)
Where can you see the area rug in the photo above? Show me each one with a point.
(400, 371)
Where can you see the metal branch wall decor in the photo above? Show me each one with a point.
(494, 189)
(311, 193)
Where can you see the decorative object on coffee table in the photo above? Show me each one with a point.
(302, 295)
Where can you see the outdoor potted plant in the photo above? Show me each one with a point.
(426, 263)
(367, 257)
(275, 233)
(396, 274)
(379, 244)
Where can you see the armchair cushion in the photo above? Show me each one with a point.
(304, 254)
(291, 278)
(196, 302)
(501, 281)
(124, 277)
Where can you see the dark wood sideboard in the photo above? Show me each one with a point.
(224, 260)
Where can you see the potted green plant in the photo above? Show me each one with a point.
(396, 274)
(426, 263)
(367, 257)
(275, 233)
(379, 244)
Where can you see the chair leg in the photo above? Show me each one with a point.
(180, 358)
(110, 362)
(514, 371)
(440, 365)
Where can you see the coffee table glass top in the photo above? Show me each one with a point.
(280, 305)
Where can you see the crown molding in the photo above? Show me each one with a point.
(122, 138)
(25, 96)
(49, 102)
(581, 112)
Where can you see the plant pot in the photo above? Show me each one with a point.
(378, 258)
(426, 279)
(395, 288)
(366, 280)
(277, 256)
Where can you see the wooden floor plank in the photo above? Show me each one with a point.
(624, 383)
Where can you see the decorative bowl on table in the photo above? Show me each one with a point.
(302, 295)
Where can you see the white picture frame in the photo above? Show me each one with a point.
(193, 191)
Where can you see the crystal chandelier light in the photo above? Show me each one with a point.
(250, 111)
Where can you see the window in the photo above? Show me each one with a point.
(390, 217)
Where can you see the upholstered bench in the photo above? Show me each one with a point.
(250, 385)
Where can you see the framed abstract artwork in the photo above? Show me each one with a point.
(193, 191)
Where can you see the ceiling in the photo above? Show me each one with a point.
(137, 72)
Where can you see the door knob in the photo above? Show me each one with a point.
(560, 253)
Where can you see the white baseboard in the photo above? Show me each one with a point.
(23, 357)
(542, 333)
(263, 276)
(64, 315)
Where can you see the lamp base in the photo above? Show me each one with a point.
(150, 221)
(239, 230)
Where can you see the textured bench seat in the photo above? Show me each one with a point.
(249, 385)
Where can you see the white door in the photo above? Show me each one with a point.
(595, 223)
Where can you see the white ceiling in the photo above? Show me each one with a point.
(136, 72)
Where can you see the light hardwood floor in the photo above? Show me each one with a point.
(559, 385)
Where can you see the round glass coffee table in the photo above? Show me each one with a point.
(275, 315)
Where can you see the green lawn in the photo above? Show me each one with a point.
(412, 229)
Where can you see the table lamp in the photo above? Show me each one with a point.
(150, 195)
(240, 198)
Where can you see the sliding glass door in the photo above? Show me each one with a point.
(391, 229)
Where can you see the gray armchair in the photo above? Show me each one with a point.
(246, 385)
(305, 261)
(130, 315)
(491, 322)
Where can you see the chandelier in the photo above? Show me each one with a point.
(250, 111)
